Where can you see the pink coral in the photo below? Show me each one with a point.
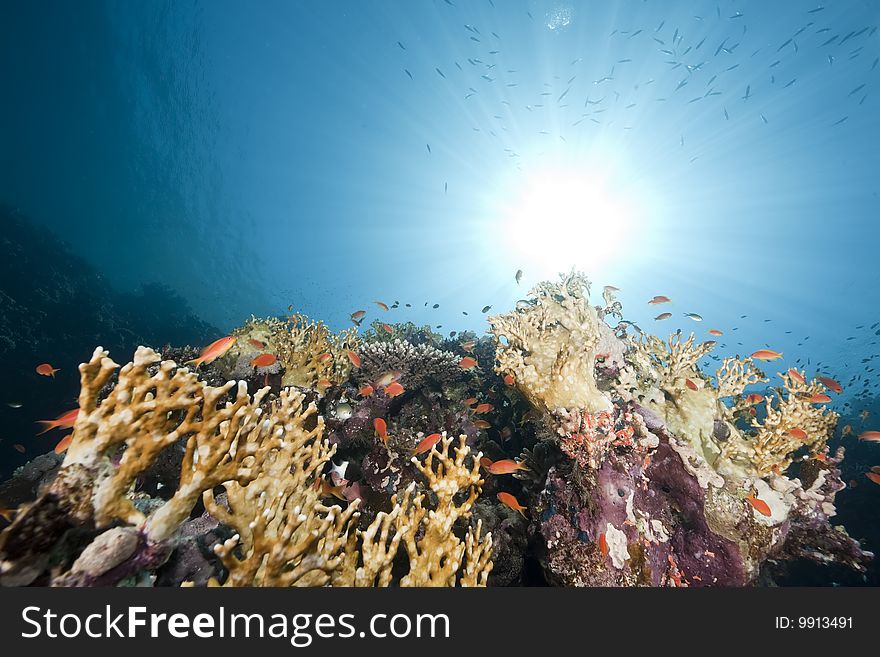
(588, 437)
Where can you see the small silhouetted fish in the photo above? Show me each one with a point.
(408, 73)
(429, 147)
(748, 89)
(485, 309)
(440, 72)
(874, 65)
(813, 11)
(831, 40)
(402, 47)
(14, 404)
(783, 46)
(436, 305)
(445, 187)
(840, 121)
(764, 118)
(861, 86)
(789, 84)
(726, 116)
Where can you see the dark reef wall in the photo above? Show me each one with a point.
(55, 307)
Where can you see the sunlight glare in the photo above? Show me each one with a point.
(565, 220)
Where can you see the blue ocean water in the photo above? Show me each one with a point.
(252, 156)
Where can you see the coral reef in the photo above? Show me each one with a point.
(309, 354)
(613, 459)
(268, 456)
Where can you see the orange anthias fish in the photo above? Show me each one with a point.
(759, 505)
(482, 424)
(323, 384)
(394, 389)
(485, 462)
(427, 444)
(264, 360)
(690, 384)
(64, 443)
(381, 429)
(870, 436)
(873, 476)
(354, 358)
(660, 299)
(511, 502)
(386, 378)
(213, 351)
(507, 466)
(366, 391)
(831, 384)
(387, 328)
(323, 358)
(663, 316)
(754, 398)
(819, 398)
(766, 354)
(469, 345)
(257, 344)
(796, 376)
(45, 369)
(381, 304)
(467, 363)
(64, 421)
(470, 401)
(715, 332)
(358, 315)
(798, 433)
(603, 544)
(508, 379)
(483, 408)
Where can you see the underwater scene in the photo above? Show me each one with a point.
(439, 293)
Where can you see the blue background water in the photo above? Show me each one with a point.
(255, 155)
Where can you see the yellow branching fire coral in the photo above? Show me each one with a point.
(735, 375)
(308, 352)
(284, 535)
(792, 422)
(146, 412)
(549, 345)
(435, 555)
(268, 457)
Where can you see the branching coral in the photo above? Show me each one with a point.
(309, 353)
(145, 413)
(268, 458)
(792, 422)
(435, 552)
(284, 536)
(735, 375)
(550, 347)
(413, 364)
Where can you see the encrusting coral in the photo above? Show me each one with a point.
(268, 458)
